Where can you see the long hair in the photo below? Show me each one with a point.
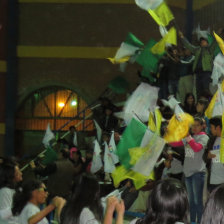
(23, 195)
(214, 208)
(85, 194)
(167, 204)
(7, 173)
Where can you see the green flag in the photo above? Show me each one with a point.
(131, 138)
(119, 85)
(133, 40)
(49, 156)
(148, 60)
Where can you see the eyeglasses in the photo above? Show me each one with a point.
(43, 189)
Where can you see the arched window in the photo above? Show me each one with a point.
(54, 105)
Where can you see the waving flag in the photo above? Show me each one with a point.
(113, 149)
(220, 42)
(49, 135)
(97, 161)
(218, 68)
(108, 160)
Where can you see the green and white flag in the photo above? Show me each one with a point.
(113, 149)
(109, 166)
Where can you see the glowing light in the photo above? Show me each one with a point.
(61, 104)
(74, 103)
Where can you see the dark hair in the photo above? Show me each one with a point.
(186, 98)
(200, 120)
(214, 208)
(72, 127)
(202, 38)
(85, 194)
(23, 195)
(204, 102)
(216, 121)
(7, 173)
(167, 204)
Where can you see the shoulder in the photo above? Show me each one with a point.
(87, 216)
(6, 190)
(133, 221)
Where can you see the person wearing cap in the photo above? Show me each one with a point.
(203, 63)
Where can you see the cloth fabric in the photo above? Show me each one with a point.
(217, 168)
(28, 211)
(6, 198)
(195, 185)
(87, 217)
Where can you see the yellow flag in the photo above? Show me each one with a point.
(151, 122)
(162, 14)
(120, 174)
(170, 38)
(178, 129)
(209, 110)
(159, 118)
(119, 61)
(220, 42)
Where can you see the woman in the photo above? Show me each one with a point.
(10, 175)
(189, 104)
(214, 208)
(76, 159)
(84, 205)
(167, 204)
(27, 200)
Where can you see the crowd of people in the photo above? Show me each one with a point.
(189, 167)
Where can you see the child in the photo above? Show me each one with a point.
(217, 168)
(194, 167)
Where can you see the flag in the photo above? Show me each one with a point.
(119, 85)
(49, 156)
(127, 49)
(148, 160)
(108, 160)
(178, 127)
(202, 33)
(49, 135)
(162, 14)
(222, 141)
(148, 4)
(139, 180)
(113, 149)
(171, 103)
(218, 68)
(220, 42)
(131, 138)
(216, 105)
(98, 131)
(75, 141)
(142, 99)
(169, 38)
(96, 161)
(155, 120)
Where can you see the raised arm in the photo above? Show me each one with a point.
(187, 44)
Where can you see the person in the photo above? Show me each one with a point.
(84, 205)
(10, 176)
(185, 84)
(76, 159)
(167, 204)
(189, 104)
(109, 121)
(214, 212)
(203, 63)
(27, 200)
(194, 167)
(61, 169)
(217, 168)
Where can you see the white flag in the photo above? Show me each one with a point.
(113, 149)
(201, 33)
(219, 103)
(97, 161)
(171, 103)
(125, 50)
(218, 69)
(49, 135)
(75, 141)
(108, 160)
(143, 99)
(148, 4)
(98, 131)
(148, 160)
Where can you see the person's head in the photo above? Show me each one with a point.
(75, 154)
(64, 153)
(167, 204)
(10, 174)
(189, 99)
(198, 125)
(85, 193)
(72, 129)
(214, 208)
(33, 191)
(108, 111)
(201, 106)
(216, 125)
(203, 42)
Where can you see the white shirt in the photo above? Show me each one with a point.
(135, 220)
(6, 198)
(87, 217)
(28, 211)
